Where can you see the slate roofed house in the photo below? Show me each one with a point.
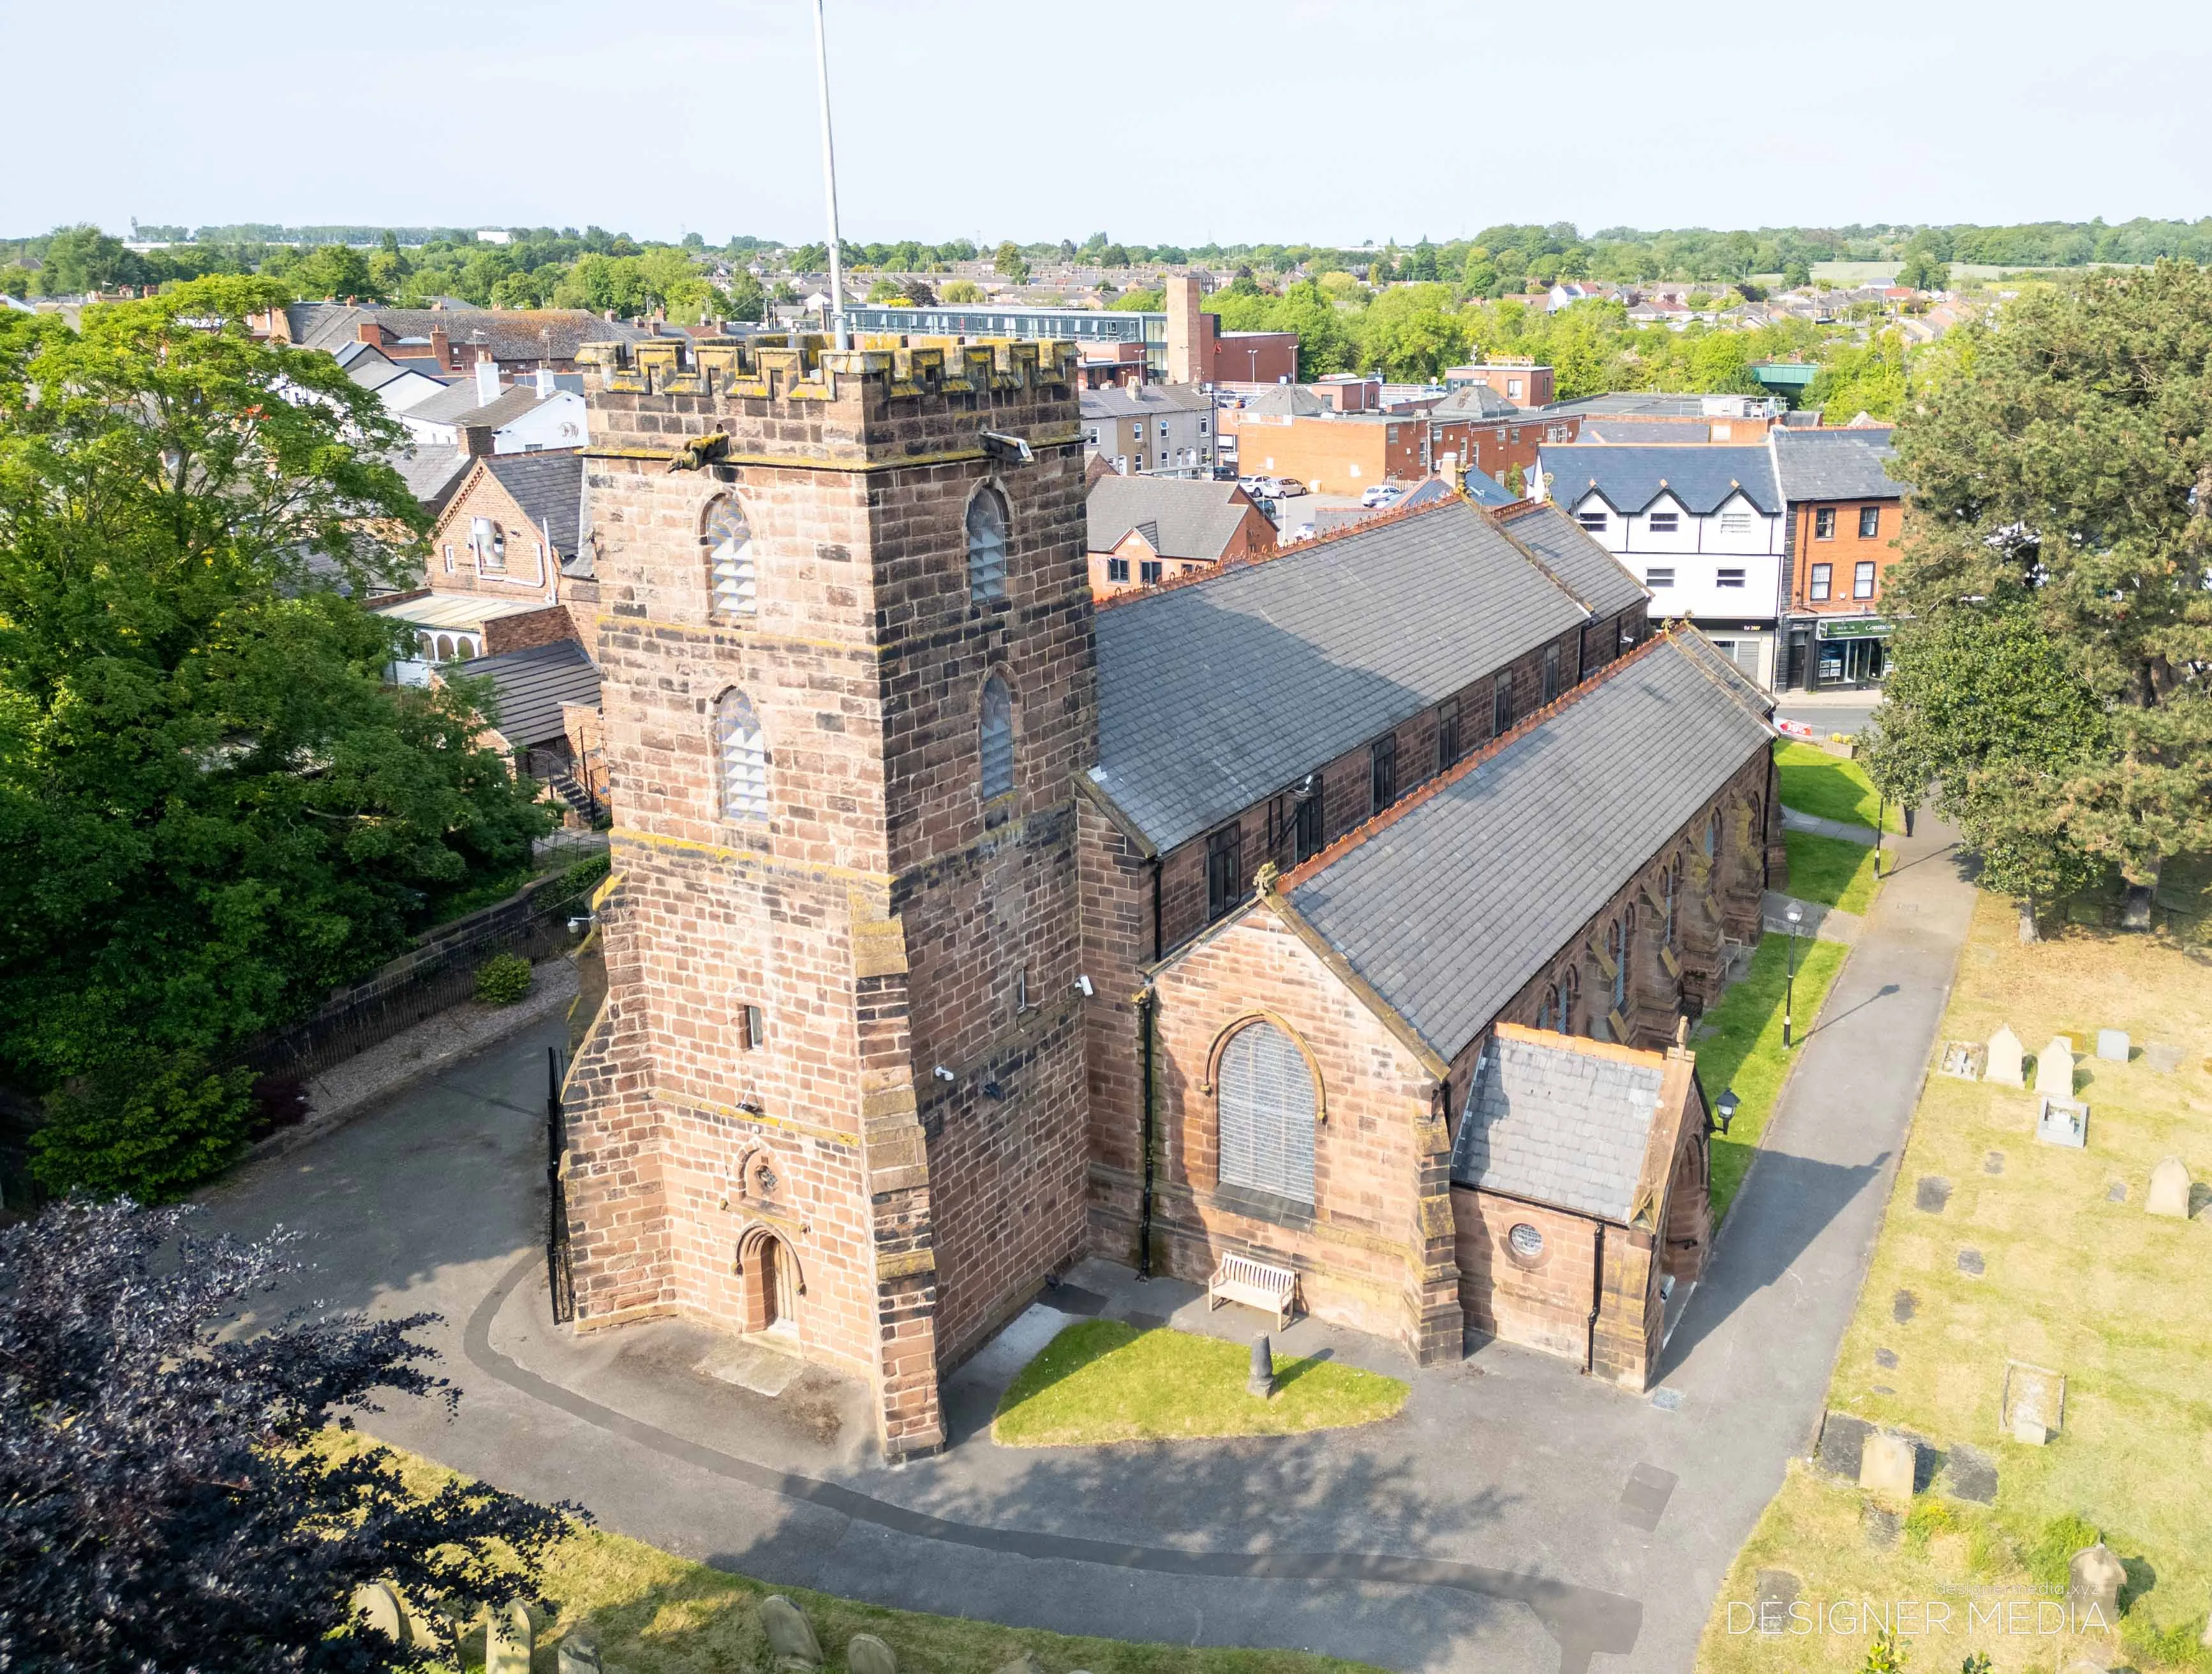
(544, 713)
(1151, 428)
(432, 473)
(1845, 513)
(1484, 432)
(1702, 526)
(398, 386)
(451, 340)
(481, 417)
(1144, 530)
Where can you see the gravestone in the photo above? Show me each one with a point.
(2117, 1192)
(578, 1655)
(1843, 1445)
(1887, 1464)
(2054, 1069)
(1930, 1193)
(790, 1639)
(2063, 1122)
(1970, 1262)
(2161, 1057)
(1261, 1379)
(2112, 1046)
(2002, 1065)
(1963, 1059)
(867, 1654)
(378, 1605)
(2169, 1189)
(1971, 1474)
(2029, 1433)
(1885, 1358)
(2033, 1393)
(508, 1640)
(1903, 1306)
(2094, 1581)
(1993, 1163)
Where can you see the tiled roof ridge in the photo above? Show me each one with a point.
(1404, 805)
(1610, 1050)
(1706, 660)
(1296, 549)
(1542, 569)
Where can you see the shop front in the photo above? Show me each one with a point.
(1850, 654)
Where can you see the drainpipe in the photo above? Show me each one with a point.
(1597, 1297)
(1145, 1003)
(1157, 860)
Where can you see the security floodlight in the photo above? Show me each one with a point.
(1083, 984)
(942, 1073)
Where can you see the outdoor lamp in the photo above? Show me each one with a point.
(1725, 1110)
(1796, 915)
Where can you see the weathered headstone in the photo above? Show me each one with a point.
(1993, 1163)
(1930, 1193)
(1779, 1590)
(2029, 1432)
(2003, 1063)
(508, 1640)
(1887, 1464)
(2063, 1122)
(867, 1654)
(1885, 1358)
(790, 1639)
(2035, 1394)
(1963, 1059)
(378, 1605)
(2169, 1189)
(578, 1655)
(1971, 1263)
(2094, 1581)
(2054, 1069)
(2112, 1046)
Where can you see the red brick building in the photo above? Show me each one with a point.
(1201, 352)
(1846, 512)
(1485, 432)
(920, 858)
(1146, 530)
(1524, 383)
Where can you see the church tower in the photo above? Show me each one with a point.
(836, 1092)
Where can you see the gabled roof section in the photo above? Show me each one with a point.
(1629, 478)
(1836, 464)
(1578, 564)
(1449, 903)
(511, 334)
(1113, 401)
(1218, 692)
(1475, 401)
(1650, 432)
(530, 686)
(1194, 518)
(550, 489)
(457, 404)
(1560, 1120)
(431, 469)
(1292, 399)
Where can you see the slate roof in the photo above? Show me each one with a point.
(1555, 1122)
(530, 686)
(1630, 431)
(431, 469)
(1195, 518)
(1585, 569)
(1216, 693)
(1475, 401)
(1657, 405)
(457, 404)
(1116, 402)
(549, 487)
(1446, 908)
(1291, 399)
(1836, 464)
(511, 334)
(1631, 479)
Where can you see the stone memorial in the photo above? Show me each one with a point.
(1964, 1059)
(790, 1639)
(2030, 1433)
(578, 1655)
(2094, 1581)
(2112, 1046)
(2054, 1069)
(2169, 1189)
(508, 1639)
(2002, 1065)
(867, 1654)
(2063, 1122)
(1261, 1380)
(378, 1605)
(2035, 1394)
(1886, 1464)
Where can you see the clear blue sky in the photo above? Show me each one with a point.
(1335, 120)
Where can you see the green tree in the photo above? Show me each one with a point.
(1855, 379)
(962, 290)
(2059, 469)
(224, 808)
(1007, 263)
(83, 259)
(747, 300)
(335, 270)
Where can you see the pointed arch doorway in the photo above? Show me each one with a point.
(768, 1273)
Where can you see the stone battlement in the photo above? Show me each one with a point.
(801, 368)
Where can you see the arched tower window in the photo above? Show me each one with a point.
(1571, 994)
(986, 546)
(1712, 833)
(997, 739)
(1548, 1013)
(742, 753)
(1268, 1106)
(1670, 879)
(1616, 948)
(732, 580)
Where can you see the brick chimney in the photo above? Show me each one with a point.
(1186, 349)
(441, 348)
(474, 440)
(370, 333)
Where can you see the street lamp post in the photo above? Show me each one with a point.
(1796, 917)
(1254, 354)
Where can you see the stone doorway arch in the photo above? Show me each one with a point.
(769, 1281)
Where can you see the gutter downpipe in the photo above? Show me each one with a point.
(1145, 1003)
(1597, 1297)
(1156, 909)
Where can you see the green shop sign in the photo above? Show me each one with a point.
(1866, 627)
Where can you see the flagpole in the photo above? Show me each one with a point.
(838, 338)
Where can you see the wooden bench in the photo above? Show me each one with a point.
(1270, 1289)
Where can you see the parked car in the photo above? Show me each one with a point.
(1288, 488)
(1253, 484)
(1382, 494)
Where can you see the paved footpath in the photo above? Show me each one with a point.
(1515, 1518)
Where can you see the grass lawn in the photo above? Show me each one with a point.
(652, 1612)
(1830, 871)
(1829, 787)
(1103, 1380)
(1739, 1044)
(2071, 1279)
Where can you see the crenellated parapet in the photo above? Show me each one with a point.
(803, 368)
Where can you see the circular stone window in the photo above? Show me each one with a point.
(1527, 1243)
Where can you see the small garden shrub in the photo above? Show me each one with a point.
(502, 979)
(585, 873)
(150, 1127)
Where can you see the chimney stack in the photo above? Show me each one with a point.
(475, 440)
(487, 379)
(441, 348)
(545, 384)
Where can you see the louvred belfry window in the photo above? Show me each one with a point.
(997, 742)
(732, 579)
(743, 754)
(986, 546)
(1268, 1106)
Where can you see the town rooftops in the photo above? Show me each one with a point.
(1560, 1120)
(1628, 479)
(1595, 578)
(450, 610)
(1114, 401)
(1630, 402)
(511, 334)
(1836, 464)
(1449, 903)
(1640, 432)
(1475, 401)
(1289, 401)
(1191, 518)
(1215, 693)
(550, 488)
(457, 404)
(431, 469)
(530, 686)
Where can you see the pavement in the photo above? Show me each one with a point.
(1865, 836)
(1514, 1517)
